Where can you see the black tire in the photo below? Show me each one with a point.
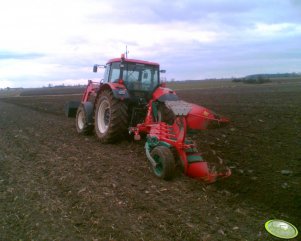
(82, 126)
(111, 118)
(164, 114)
(165, 160)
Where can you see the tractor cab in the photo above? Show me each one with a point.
(140, 78)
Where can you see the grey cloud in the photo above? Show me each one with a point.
(226, 59)
(233, 13)
(16, 55)
(239, 51)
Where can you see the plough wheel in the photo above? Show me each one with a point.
(165, 161)
(81, 123)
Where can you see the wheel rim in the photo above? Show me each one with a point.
(103, 116)
(159, 167)
(81, 120)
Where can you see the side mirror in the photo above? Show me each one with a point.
(95, 67)
(162, 71)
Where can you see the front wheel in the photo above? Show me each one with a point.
(81, 123)
(165, 162)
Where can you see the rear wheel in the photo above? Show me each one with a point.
(111, 118)
(82, 126)
(165, 161)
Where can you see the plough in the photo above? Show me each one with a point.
(131, 99)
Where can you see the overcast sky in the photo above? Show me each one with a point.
(58, 41)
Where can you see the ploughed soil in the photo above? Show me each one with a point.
(58, 185)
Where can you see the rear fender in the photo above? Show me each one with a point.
(119, 90)
(162, 94)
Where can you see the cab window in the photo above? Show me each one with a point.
(140, 76)
(115, 72)
(106, 74)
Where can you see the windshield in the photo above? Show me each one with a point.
(140, 76)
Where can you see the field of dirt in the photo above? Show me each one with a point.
(58, 185)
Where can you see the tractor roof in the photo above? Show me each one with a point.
(132, 61)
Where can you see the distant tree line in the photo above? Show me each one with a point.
(281, 75)
(65, 86)
(264, 78)
(253, 80)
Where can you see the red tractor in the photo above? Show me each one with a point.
(131, 100)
